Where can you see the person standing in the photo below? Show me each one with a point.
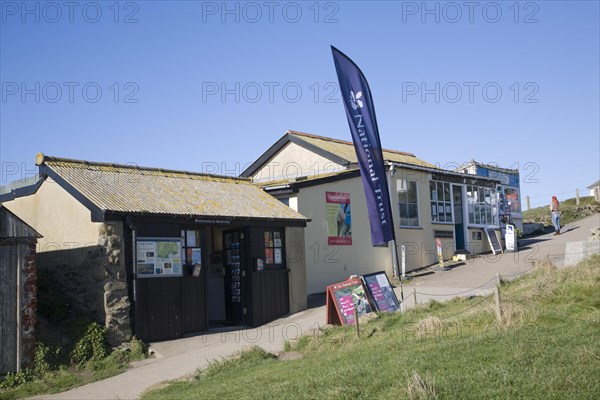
(554, 209)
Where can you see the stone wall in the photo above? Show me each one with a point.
(116, 300)
(93, 279)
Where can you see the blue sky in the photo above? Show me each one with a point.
(209, 86)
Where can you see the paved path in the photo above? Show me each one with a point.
(477, 276)
(179, 358)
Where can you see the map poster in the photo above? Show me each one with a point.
(158, 257)
(342, 298)
(339, 219)
(381, 292)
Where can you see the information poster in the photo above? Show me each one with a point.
(339, 219)
(342, 298)
(159, 257)
(381, 292)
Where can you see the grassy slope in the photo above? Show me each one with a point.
(548, 346)
(569, 211)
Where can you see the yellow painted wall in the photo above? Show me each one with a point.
(327, 264)
(63, 221)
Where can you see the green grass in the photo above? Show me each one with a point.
(66, 377)
(569, 211)
(546, 347)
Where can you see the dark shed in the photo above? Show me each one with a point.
(17, 292)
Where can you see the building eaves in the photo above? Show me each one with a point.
(593, 185)
(131, 190)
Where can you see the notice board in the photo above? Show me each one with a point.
(381, 292)
(493, 240)
(158, 257)
(341, 300)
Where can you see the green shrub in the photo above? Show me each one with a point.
(16, 379)
(45, 358)
(138, 350)
(92, 346)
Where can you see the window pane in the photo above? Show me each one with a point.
(448, 212)
(277, 239)
(403, 210)
(447, 192)
(440, 191)
(433, 191)
(413, 214)
(191, 238)
(412, 192)
(268, 239)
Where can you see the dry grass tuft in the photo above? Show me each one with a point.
(420, 388)
(430, 326)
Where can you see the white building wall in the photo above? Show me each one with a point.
(293, 161)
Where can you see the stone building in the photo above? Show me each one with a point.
(161, 254)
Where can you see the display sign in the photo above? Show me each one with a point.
(510, 238)
(341, 300)
(493, 240)
(381, 292)
(438, 245)
(158, 257)
(339, 219)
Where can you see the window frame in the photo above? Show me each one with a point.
(445, 202)
(482, 206)
(199, 239)
(407, 203)
(273, 247)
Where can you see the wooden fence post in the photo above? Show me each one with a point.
(415, 295)
(497, 298)
(528, 203)
(356, 323)
(577, 197)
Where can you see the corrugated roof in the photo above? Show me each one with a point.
(130, 189)
(345, 150)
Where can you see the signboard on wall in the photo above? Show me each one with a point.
(381, 291)
(341, 300)
(158, 257)
(339, 219)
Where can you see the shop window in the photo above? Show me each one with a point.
(511, 195)
(408, 202)
(192, 246)
(274, 248)
(482, 205)
(441, 202)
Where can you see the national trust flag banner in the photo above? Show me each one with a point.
(358, 103)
